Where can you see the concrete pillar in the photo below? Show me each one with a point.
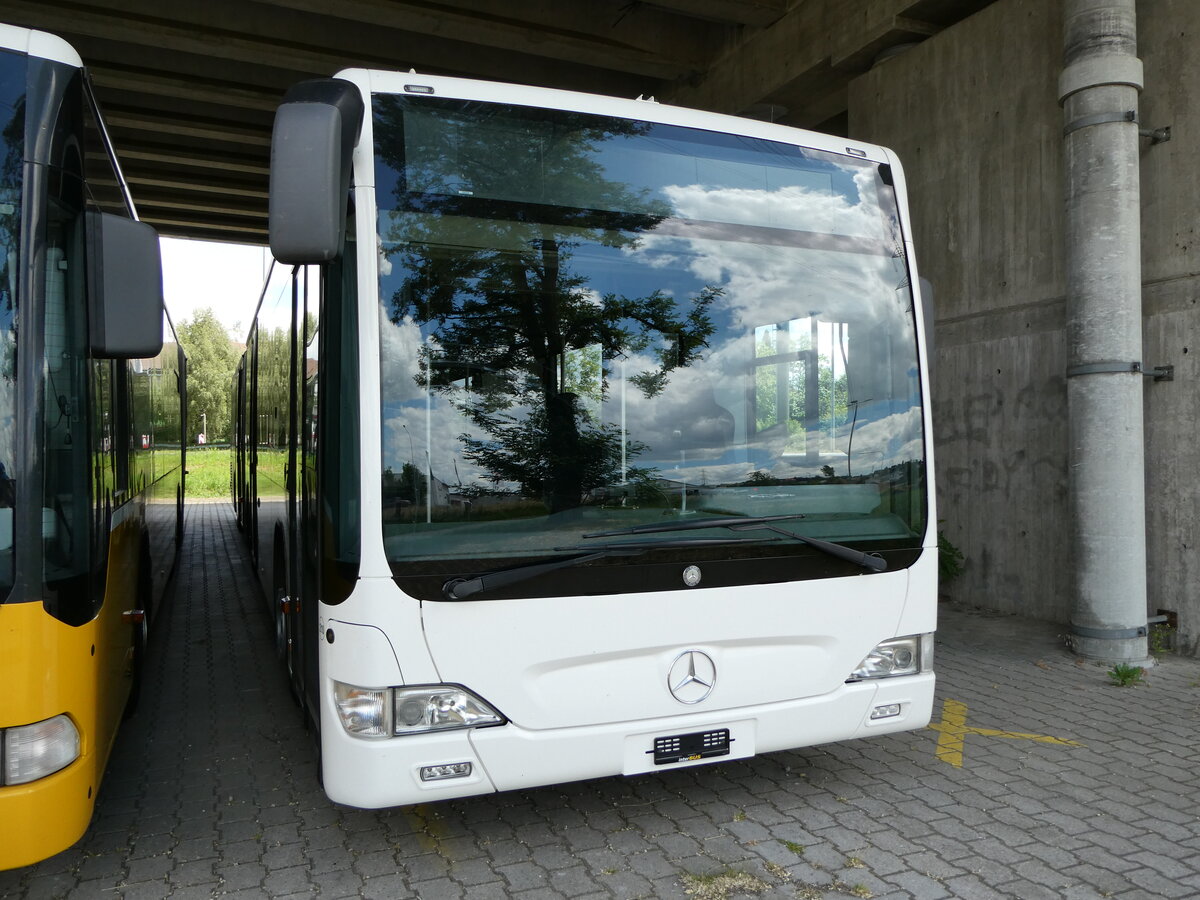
(1098, 90)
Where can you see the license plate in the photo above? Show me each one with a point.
(697, 745)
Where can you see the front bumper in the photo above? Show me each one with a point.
(45, 817)
(387, 772)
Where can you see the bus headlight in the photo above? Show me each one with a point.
(386, 712)
(897, 656)
(365, 712)
(441, 706)
(35, 751)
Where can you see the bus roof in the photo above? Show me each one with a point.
(392, 82)
(39, 44)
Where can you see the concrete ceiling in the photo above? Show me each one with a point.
(189, 89)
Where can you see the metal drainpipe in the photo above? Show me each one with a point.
(1098, 89)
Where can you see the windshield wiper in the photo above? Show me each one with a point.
(872, 561)
(462, 588)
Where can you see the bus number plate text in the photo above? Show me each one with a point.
(698, 745)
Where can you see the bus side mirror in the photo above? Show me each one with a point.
(125, 294)
(312, 144)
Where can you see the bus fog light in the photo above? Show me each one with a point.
(440, 706)
(35, 751)
(365, 712)
(887, 711)
(450, 770)
(897, 656)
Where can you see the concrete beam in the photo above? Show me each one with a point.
(111, 78)
(151, 202)
(305, 43)
(159, 181)
(643, 42)
(172, 224)
(195, 158)
(190, 127)
(193, 85)
(825, 42)
(759, 13)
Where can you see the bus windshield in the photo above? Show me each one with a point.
(12, 155)
(591, 324)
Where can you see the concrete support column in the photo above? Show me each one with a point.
(1098, 90)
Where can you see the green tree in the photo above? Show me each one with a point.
(511, 315)
(212, 358)
(833, 393)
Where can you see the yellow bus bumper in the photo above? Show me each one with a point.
(48, 668)
(45, 817)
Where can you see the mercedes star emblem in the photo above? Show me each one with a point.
(692, 676)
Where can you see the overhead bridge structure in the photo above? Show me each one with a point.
(190, 89)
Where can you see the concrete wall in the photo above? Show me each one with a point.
(1169, 44)
(974, 116)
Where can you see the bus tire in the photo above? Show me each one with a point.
(280, 618)
(140, 639)
(314, 733)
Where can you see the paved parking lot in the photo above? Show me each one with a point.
(1039, 779)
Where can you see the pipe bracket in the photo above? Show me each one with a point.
(1130, 115)
(1109, 634)
(1105, 368)
(1116, 367)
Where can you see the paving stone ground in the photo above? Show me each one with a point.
(212, 789)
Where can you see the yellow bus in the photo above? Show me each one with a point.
(91, 446)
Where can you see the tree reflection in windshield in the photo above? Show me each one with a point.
(513, 322)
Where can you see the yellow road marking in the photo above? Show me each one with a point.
(953, 730)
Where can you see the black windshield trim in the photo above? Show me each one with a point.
(466, 588)
(638, 223)
(871, 561)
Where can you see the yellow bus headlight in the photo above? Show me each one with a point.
(35, 751)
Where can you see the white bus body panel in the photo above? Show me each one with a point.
(39, 44)
(563, 662)
(583, 681)
(374, 774)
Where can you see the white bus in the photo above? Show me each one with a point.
(582, 436)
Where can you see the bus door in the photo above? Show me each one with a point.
(307, 535)
(251, 446)
(239, 445)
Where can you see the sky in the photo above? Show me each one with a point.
(225, 277)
